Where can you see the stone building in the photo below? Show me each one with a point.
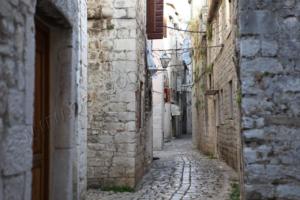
(119, 110)
(222, 86)
(216, 85)
(42, 93)
(246, 91)
(269, 47)
(159, 111)
(171, 95)
(246, 94)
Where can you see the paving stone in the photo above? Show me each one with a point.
(180, 173)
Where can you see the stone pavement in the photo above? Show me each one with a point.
(180, 173)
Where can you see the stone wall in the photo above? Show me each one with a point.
(269, 45)
(144, 133)
(16, 98)
(199, 83)
(225, 108)
(216, 88)
(116, 92)
(17, 61)
(158, 111)
(80, 157)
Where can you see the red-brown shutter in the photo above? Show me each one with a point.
(155, 19)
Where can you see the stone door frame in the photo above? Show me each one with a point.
(62, 98)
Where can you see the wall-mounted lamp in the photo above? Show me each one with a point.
(165, 60)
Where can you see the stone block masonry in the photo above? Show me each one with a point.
(218, 113)
(228, 119)
(80, 157)
(116, 93)
(17, 75)
(269, 47)
(16, 91)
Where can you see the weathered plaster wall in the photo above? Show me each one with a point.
(167, 122)
(200, 139)
(116, 92)
(198, 97)
(189, 113)
(269, 46)
(158, 111)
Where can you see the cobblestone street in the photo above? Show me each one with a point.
(180, 173)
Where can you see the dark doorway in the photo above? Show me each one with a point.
(40, 171)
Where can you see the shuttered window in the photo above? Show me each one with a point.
(155, 19)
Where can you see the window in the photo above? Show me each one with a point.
(221, 107)
(155, 19)
(217, 110)
(230, 94)
(139, 106)
(210, 81)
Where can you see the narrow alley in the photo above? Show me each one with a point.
(149, 100)
(181, 172)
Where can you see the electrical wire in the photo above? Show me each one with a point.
(178, 29)
(191, 48)
(182, 30)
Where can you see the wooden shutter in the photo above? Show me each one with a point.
(155, 19)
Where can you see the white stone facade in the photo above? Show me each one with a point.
(117, 134)
(158, 111)
(167, 82)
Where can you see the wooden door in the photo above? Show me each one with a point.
(40, 172)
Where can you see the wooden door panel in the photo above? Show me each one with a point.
(37, 103)
(36, 191)
(40, 170)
